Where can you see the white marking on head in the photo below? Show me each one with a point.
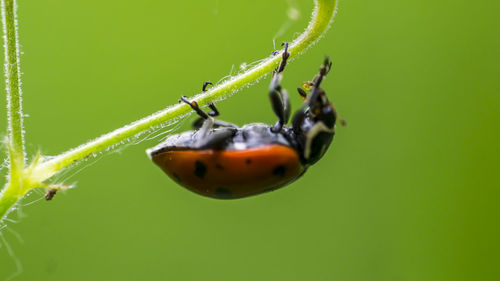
(311, 134)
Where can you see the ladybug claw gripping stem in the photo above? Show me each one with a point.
(211, 105)
(205, 84)
(208, 122)
(194, 105)
(215, 112)
(284, 57)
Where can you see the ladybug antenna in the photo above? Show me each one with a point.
(341, 121)
(302, 93)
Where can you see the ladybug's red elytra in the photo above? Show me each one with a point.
(224, 161)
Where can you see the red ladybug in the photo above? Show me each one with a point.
(224, 161)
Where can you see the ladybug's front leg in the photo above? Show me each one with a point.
(206, 135)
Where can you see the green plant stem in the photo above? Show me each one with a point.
(15, 188)
(10, 197)
(33, 176)
(322, 16)
(13, 87)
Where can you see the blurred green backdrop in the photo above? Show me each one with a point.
(409, 190)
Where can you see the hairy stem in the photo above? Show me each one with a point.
(13, 87)
(23, 178)
(16, 187)
(322, 16)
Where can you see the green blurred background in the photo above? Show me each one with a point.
(409, 190)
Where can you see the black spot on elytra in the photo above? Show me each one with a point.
(177, 178)
(248, 161)
(200, 169)
(223, 193)
(279, 171)
(219, 166)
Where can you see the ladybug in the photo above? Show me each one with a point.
(224, 161)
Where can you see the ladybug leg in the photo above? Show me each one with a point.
(284, 58)
(313, 99)
(316, 91)
(305, 112)
(208, 137)
(281, 106)
(205, 84)
(198, 123)
(299, 117)
(195, 107)
(214, 111)
(279, 97)
(216, 139)
(206, 122)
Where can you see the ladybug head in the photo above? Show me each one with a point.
(314, 123)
